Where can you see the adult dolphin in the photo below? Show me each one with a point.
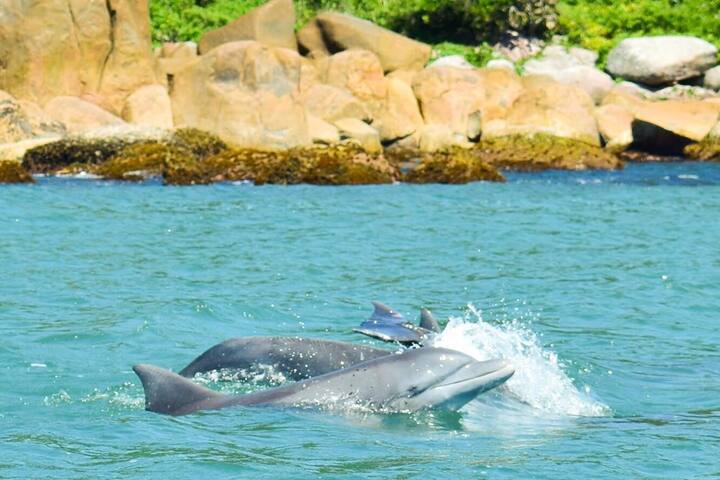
(294, 357)
(415, 379)
(299, 358)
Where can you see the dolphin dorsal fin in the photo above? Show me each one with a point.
(428, 322)
(385, 314)
(169, 393)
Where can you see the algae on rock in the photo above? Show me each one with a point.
(706, 149)
(455, 165)
(143, 160)
(542, 152)
(13, 172)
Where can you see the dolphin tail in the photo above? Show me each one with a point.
(169, 393)
(428, 322)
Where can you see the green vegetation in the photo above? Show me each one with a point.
(469, 27)
(600, 24)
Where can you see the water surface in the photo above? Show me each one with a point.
(601, 287)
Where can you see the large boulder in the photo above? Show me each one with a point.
(245, 92)
(149, 106)
(79, 115)
(360, 73)
(333, 103)
(712, 78)
(667, 127)
(661, 60)
(59, 48)
(547, 107)
(340, 32)
(400, 116)
(176, 56)
(361, 133)
(272, 24)
(23, 120)
(615, 126)
(574, 67)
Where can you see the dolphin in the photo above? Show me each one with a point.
(416, 379)
(299, 358)
(294, 357)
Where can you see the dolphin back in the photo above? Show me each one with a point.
(170, 394)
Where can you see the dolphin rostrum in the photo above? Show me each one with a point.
(415, 379)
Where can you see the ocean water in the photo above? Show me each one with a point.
(602, 288)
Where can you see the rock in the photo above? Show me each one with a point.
(272, 24)
(16, 151)
(435, 137)
(149, 106)
(633, 89)
(563, 67)
(453, 166)
(343, 32)
(502, 64)
(176, 56)
(81, 152)
(360, 73)
(584, 56)
(541, 152)
(452, 61)
(310, 41)
(547, 107)
(22, 120)
(682, 92)
(13, 172)
(667, 127)
(142, 161)
(322, 131)
(332, 103)
(245, 92)
(59, 48)
(615, 126)
(661, 60)
(712, 78)
(707, 149)
(406, 76)
(366, 136)
(78, 115)
(400, 115)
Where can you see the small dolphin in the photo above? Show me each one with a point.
(294, 357)
(390, 326)
(415, 379)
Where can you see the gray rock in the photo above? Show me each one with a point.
(584, 56)
(501, 63)
(683, 92)
(712, 78)
(565, 68)
(452, 61)
(661, 60)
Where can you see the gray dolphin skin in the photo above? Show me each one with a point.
(294, 357)
(416, 379)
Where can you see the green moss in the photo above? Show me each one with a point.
(202, 144)
(12, 172)
(543, 152)
(455, 165)
(143, 160)
(707, 149)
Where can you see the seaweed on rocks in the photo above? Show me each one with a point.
(706, 149)
(144, 160)
(542, 152)
(71, 151)
(453, 165)
(13, 172)
(202, 144)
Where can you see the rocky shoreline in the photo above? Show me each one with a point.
(341, 101)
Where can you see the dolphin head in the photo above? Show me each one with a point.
(444, 378)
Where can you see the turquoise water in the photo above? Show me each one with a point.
(602, 288)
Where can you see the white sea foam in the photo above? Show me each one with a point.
(539, 381)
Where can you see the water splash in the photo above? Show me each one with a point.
(539, 379)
